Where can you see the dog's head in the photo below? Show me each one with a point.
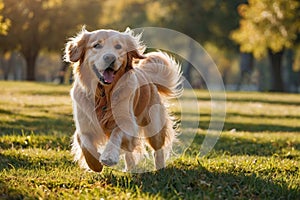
(104, 52)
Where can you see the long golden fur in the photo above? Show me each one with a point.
(119, 97)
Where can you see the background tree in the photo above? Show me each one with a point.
(4, 26)
(44, 25)
(4, 23)
(120, 14)
(208, 22)
(268, 28)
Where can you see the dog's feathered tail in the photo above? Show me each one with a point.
(164, 72)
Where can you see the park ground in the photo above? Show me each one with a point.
(256, 157)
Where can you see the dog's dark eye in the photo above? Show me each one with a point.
(98, 46)
(118, 46)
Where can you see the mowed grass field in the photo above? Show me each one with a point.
(256, 157)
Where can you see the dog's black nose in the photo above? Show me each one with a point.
(109, 58)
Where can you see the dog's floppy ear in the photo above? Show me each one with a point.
(75, 48)
(134, 47)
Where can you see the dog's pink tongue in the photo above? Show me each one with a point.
(108, 76)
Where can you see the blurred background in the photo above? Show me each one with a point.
(254, 43)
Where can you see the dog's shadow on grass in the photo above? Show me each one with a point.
(182, 180)
(198, 183)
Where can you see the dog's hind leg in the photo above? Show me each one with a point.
(134, 153)
(157, 143)
(161, 142)
(130, 161)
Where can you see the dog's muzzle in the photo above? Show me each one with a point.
(109, 59)
(107, 76)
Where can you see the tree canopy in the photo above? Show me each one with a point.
(267, 24)
(4, 23)
(37, 25)
(205, 21)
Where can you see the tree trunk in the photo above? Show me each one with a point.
(246, 68)
(187, 70)
(4, 65)
(62, 72)
(4, 68)
(30, 57)
(290, 82)
(276, 70)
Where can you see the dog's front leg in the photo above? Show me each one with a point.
(86, 103)
(111, 153)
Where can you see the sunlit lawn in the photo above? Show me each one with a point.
(256, 157)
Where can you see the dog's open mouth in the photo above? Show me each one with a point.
(107, 76)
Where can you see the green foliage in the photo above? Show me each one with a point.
(267, 24)
(4, 23)
(256, 157)
(205, 21)
(120, 14)
(45, 25)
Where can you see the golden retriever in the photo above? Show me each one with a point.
(119, 99)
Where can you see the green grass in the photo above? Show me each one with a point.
(256, 157)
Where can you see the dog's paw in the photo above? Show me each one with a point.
(109, 159)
